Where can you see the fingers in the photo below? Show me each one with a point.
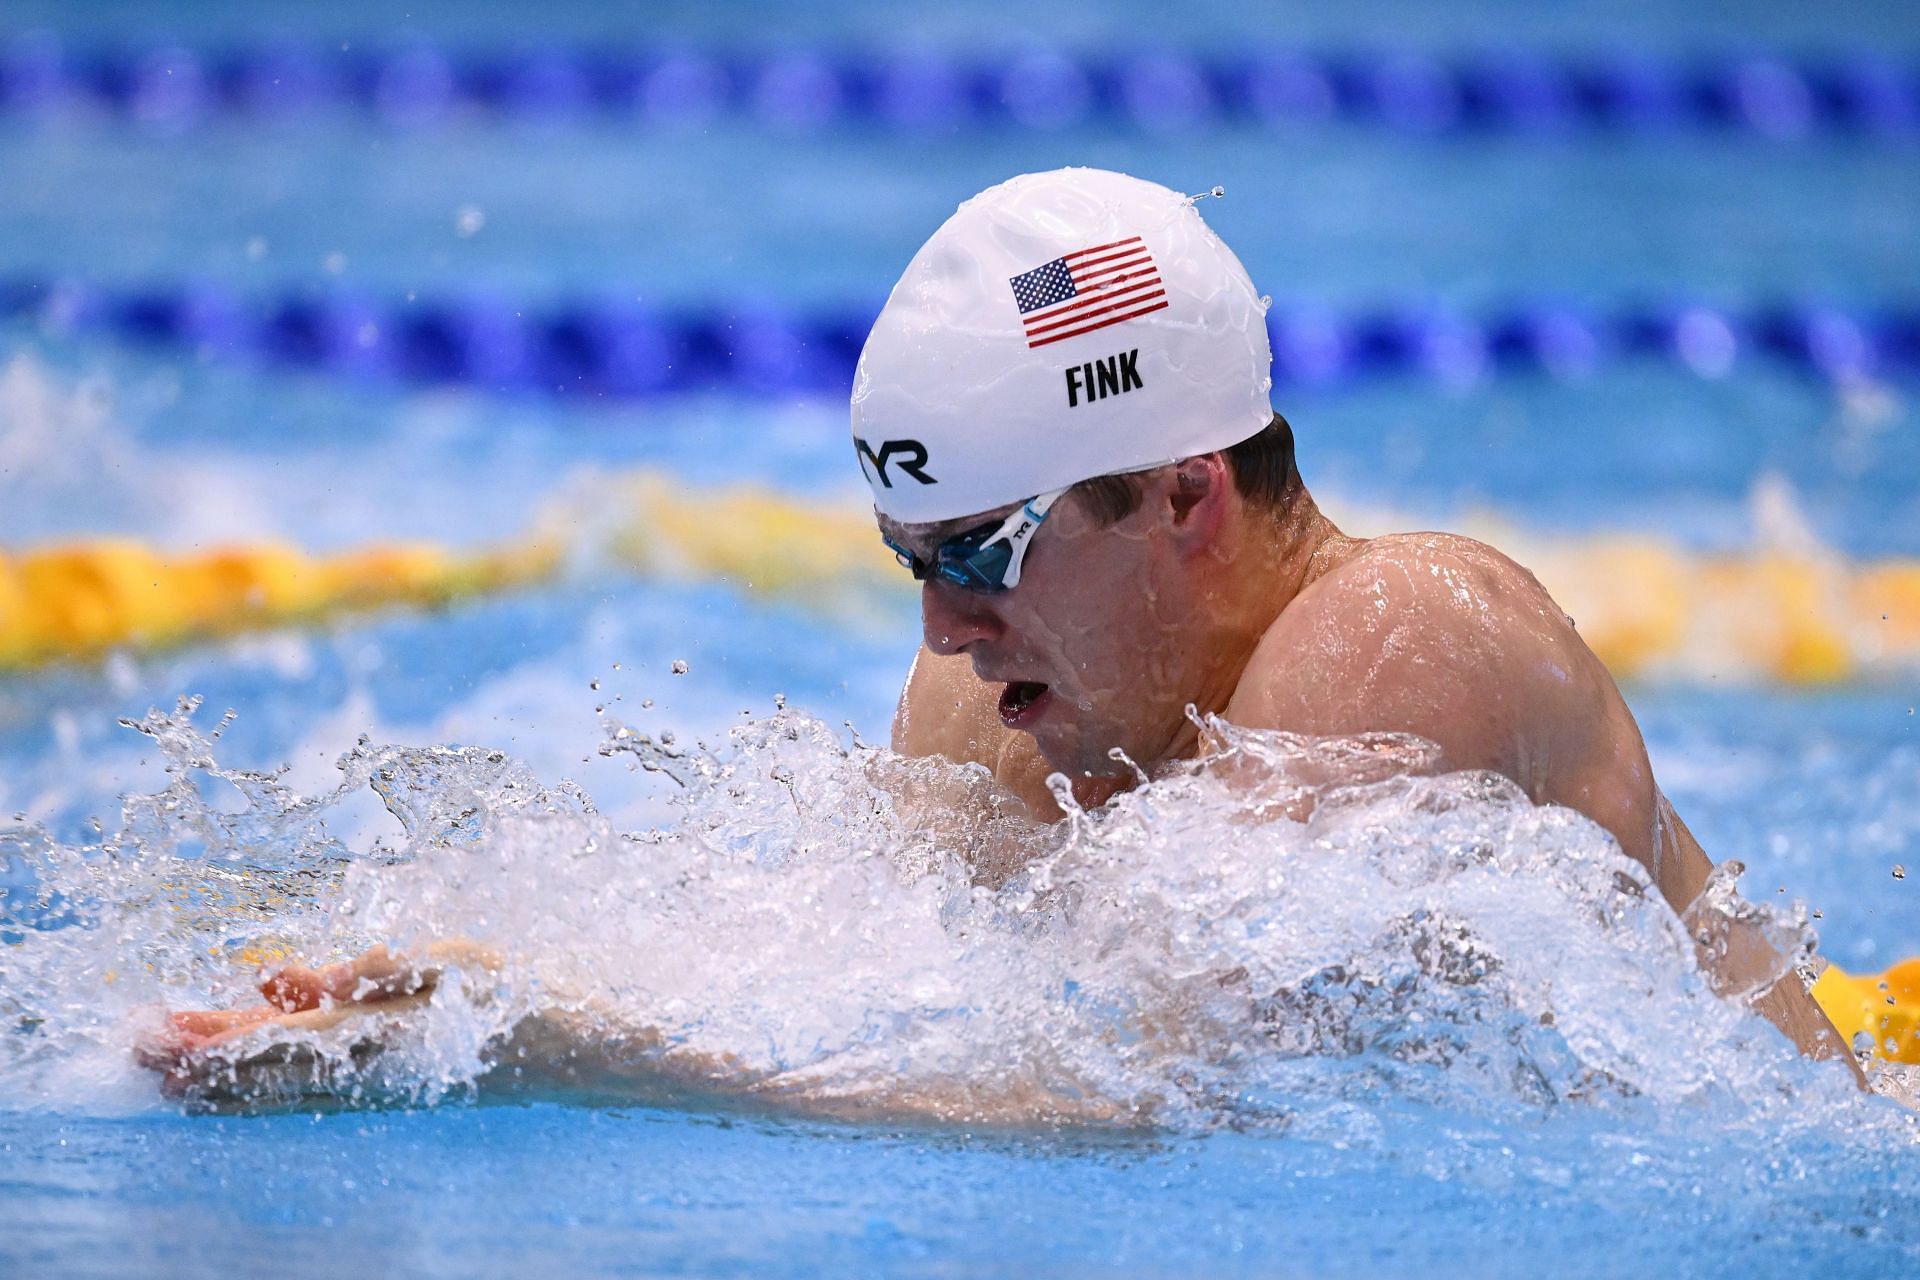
(465, 953)
(297, 987)
(192, 1032)
(263, 1054)
(211, 1024)
(377, 975)
(239, 1051)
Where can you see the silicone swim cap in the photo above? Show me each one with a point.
(1057, 327)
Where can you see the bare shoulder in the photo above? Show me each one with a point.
(1445, 577)
(946, 710)
(1428, 593)
(1427, 633)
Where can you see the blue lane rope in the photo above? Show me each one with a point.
(1770, 94)
(624, 349)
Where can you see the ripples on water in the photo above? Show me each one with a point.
(858, 933)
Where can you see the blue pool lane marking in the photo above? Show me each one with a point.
(625, 350)
(1765, 93)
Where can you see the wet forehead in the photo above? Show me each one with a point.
(921, 539)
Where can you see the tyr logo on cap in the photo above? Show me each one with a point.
(913, 459)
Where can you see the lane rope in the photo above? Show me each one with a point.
(605, 348)
(1767, 94)
(81, 600)
(1648, 608)
(1882, 1007)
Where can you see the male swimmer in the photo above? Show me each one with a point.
(1063, 415)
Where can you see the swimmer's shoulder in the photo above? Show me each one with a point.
(1443, 580)
(946, 710)
(1449, 639)
(1428, 633)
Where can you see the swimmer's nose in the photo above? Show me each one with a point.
(953, 617)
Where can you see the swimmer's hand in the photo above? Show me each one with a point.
(318, 1030)
(240, 1053)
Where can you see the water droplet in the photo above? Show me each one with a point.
(1899, 871)
(594, 685)
(646, 703)
(469, 220)
(679, 666)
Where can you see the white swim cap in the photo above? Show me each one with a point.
(1057, 327)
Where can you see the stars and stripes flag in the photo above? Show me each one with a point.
(1088, 289)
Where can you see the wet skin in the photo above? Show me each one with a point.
(1276, 620)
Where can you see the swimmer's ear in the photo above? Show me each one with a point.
(1198, 497)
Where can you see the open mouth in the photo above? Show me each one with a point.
(1022, 702)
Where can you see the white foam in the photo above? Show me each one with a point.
(1276, 934)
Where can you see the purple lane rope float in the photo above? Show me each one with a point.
(625, 350)
(1767, 94)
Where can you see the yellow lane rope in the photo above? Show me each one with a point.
(81, 600)
(1648, 607)
(1885, 1006)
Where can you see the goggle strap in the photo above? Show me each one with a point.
(1019, 530)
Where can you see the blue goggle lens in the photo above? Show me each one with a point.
(962, 561)
(985, 558)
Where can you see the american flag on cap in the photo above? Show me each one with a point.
(1088, 289)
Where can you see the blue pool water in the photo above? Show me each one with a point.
(811, 940)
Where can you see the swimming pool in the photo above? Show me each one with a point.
(797, 929)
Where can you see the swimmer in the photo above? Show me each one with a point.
(1063, 415)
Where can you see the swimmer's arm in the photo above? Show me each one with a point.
(1787, 1003)
(586, 1049)
(228, 1051)
(228, 1054)
(242, 1056)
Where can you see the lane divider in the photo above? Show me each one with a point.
(1650, 609)
(81, 600)
(1882, 1006)
(1766, 94)
(624, 350)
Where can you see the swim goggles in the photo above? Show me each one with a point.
(986, 558)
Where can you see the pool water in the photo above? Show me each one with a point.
(1572, 1100)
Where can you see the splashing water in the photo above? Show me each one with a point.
(1277, 934)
